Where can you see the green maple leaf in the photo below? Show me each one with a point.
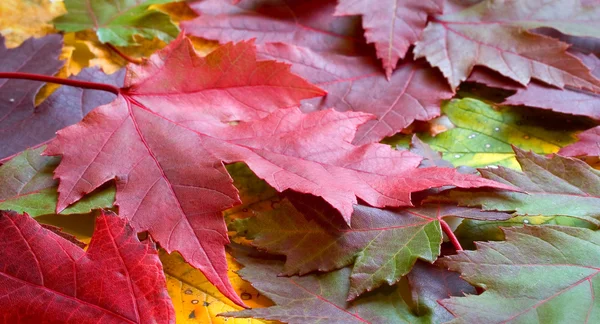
(28, 187)
(117, 21)
(540, 274)
(320, 298)
(483, 135)
(382, 245)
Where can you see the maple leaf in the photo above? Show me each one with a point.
(116, 22)
(308, 23)
(28, 186)
(196, 300)
(570, 101)
(539, 274)
(430, 283)
(46, 278)
(391, 25)
(23, 125)
(148, 136)
(551, 186)
(588, 144)
(483, 134)
(155, 179)
(382, 245)
(494, 34)
(320, 297)
(414, 92)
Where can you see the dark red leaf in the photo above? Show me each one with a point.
(392, 25)
(308, 23)
(47, 279)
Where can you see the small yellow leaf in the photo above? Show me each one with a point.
(196, 300)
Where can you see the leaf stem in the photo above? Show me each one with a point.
(126, 57)
(446, 228)
(52, 79)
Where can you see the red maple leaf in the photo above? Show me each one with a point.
(495, 34)
(45, 278)
(393, 25)
(166, 136)
(308, 23)
(354, 83)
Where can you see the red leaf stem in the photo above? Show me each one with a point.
(51, 79)
(446, 228)
(124, 56)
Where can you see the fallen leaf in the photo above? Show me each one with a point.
(392, 25)
(556, 186)
(319, 297)
(162, 120)
(115, 281)
(116, 22)
(308, 23)
(570, 101)
(382, 245)
(484, 136)
(24, 125)
(474, 230)
(414, 92)
(22, 20)
(494, 34)
(430, 283)
(539, 274)
(588, 144)
(28, 187)
(196, 300)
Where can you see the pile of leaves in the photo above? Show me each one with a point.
(300, 161)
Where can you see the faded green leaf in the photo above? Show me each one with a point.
(483, 135)
(540, 274)
(320, 298)
(382, 245)
(117, 21)
(557, 186)
(28, 187)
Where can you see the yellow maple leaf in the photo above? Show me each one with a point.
(196, 300)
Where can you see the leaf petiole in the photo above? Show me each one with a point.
(448, 231)
(124, 56)
(52, 79)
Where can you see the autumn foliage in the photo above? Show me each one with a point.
(300, 161)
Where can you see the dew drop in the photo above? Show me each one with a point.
(497, 129)
(471, 136)
(11, 100)
(457, 156)
(526, 221)
(188, 291)
(205, 304)
(246, 296)
(487, 146)
(526, 137)
(195, 301)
